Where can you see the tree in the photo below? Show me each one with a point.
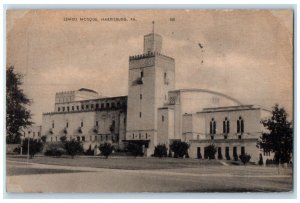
(17, 114)
(73, 147)
(106, 149)
(35, 146)
(245, 158)
(279, 138)
(179, 148)
(211, 151)
(160, 151)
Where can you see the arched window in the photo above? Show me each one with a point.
(212, 126)
(240, 125)
(226, 126)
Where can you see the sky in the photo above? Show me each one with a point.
(246, 54)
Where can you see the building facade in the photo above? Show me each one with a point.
(155, 113)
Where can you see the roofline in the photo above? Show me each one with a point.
(101, 98)
(208, 91)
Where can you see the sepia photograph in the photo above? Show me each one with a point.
(155, 101)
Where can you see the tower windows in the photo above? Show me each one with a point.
(162, 118)
(97, 123)
(77, 107)
(81, 124)
(63, 108)
(52, 124)
(58, 109)
(140, 114)
(67, 124)
(72, 108)
(68, 108)
(212, 127)
(142, 74)
(240, 125)
(226, 126)
(141, 96)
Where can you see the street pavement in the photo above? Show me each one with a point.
(66, 179)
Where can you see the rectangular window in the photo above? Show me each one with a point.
(113, 105)
(87, 106)
(72, 108)
(68, 108)
(82, 107)
(83, 138)
(63, 108)
(141, 96)
(139, 135)
(39, 134)
(107, 105)
(165, 75)
(118, 104)
(142, 74)
(67, 125)
(140, 114)
(77, 107)
(102, 106)
(58, 109)
(242, 150)
(97, 123)
(81, 124)
(97, 106)
(162, 118)
(52, 124)
(92, 106)
(199, 153)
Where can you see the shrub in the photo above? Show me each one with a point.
(73, 147)
(260, 162)
(57, 152)
(106, 149)
(135, 149)
(179, 148)
(160, 151)
(35, 146)
(211, 151)
(89, 151)
(245, 158)
(17, 150)
(63, 138)
(44, 138)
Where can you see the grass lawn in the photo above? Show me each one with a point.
(119, 163)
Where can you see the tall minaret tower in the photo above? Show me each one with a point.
(151, 77)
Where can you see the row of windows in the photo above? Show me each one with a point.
(33, 134)
(226, 126)
(89, 106)
(220, 154)
(139, 136)
(92, 138)
(81, 124)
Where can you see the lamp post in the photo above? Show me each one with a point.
(28, 146)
